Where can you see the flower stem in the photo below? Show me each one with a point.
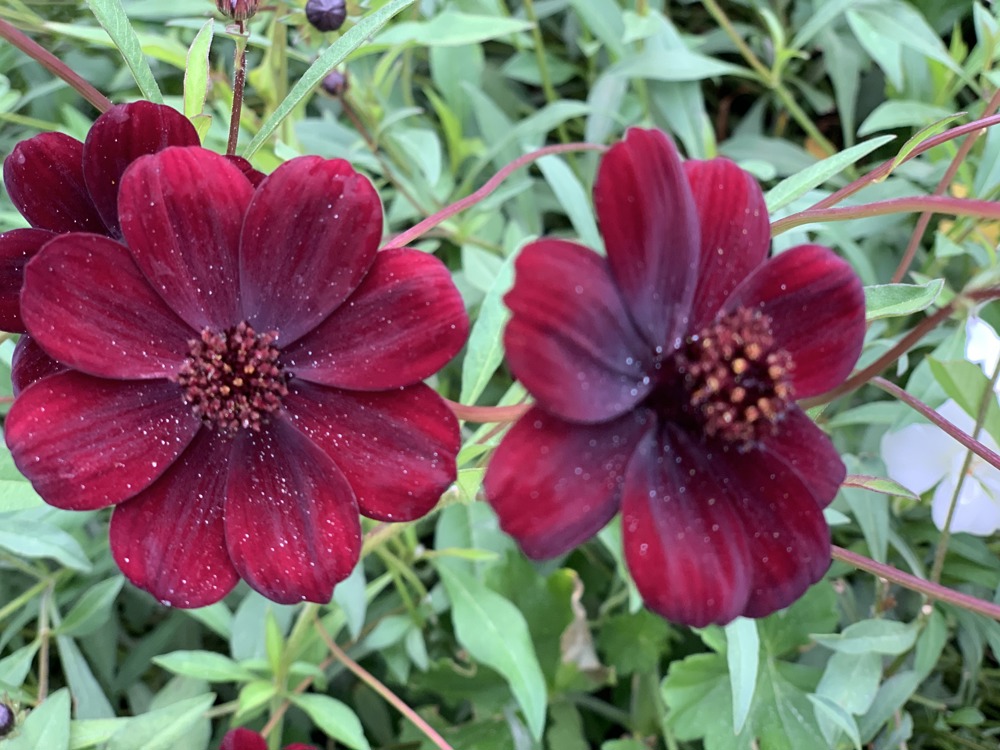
(54, 65)
(239, 83)
(928, 588)
(488, 414)
(991, 457)
(403, 239)
(375, 684)
(946, 180)
(984, 405)
(935, 204)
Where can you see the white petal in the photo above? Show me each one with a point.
(977, 511)
(982, 345)
(919, 456)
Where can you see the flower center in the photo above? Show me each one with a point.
(735, 380)
(232, 378)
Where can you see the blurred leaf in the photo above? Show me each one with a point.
(207, 665)
(160, 729)
(880, 485)
(88, 695)
(93, 609)
(37, 539)
(196, 72)
(111, 15)
(16, 492)
(872, 636)
(47, 726)
(485, 348)
(633, 642)
(493, 631)
(336, 719)
(830, 715)
(965, 382)
(451, 29)
(573, 198)
(743, 660)
(896, 300)
(349, 594)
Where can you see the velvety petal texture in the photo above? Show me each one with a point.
(182, 249)
(650, 226)
(664, 382)
(816, 303)
(291, 518)
(570, 340)
(87, 442)
(17, 247)
(30, 363)
(555, 484)
(404, 323)
(318, 221)
(119, 137)
(183, 563)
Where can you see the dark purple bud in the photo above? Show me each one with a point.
(326, 15)
(7, 719)
(238, 10)
(335, 84)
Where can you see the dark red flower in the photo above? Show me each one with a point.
(665, 376)
(244, 375)
(247, 739)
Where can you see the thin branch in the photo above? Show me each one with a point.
(375, 684)
(488, 414)
(54, 65)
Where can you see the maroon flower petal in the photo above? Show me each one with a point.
(291, 518)
(396, 449)
(30, 363)
(650, 227)
(787, 535)
(311, 235)
(44, 179)
(817, 307)
(685, 543)
(254, 176)
(570, 340)
(807, 452)
(89, 306)
(181, 211)
(735, 231)
(402, 324)
(243, 739)
(554, 485)
(169, 539)
(17, 247)
(86, 443)
(119, 137)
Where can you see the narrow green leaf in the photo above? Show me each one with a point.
(46, 726)
(206, 665)
(743, 658)
(872, 636)
(895, 300)
(494, 631)
(160, 729)
(196, 72)
(878, 484)
(827, 709)
(573, 198)
(92, 610)
(331, 58)
(111, 15)
(451, 29)
(37, 539)
(922, 135)
(485, 349)
(336, 719)
(965, 382)
(799, 184)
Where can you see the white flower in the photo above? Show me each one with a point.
(921, 456)
(982, 345)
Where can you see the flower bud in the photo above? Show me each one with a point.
(326, 15)
(335, 84)
(237, 10)
(7, 719)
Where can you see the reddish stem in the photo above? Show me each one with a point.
(488, 414)
(239, 83)
(403, 239)
(927, 588)
(937, 204)
(54, 65)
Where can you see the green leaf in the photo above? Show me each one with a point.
(851, 681)
(47, 727)
(878, 484)
(451, 29)
(16, 492)
(573, 198)
(494, 632)
(802, 182)
(928, 131)
(675, 65)
(88, 696)
(196, 72)
(829, 711)
(92, 610)
(965, 382)
(160, 729)
(335, 54)
(350, 596)
(207, 665)
(111, 15)
(35, 539)
(743, 659)
(872, 636)
(336, 719)
(895, 300)
(485, 349)
(633, 642)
